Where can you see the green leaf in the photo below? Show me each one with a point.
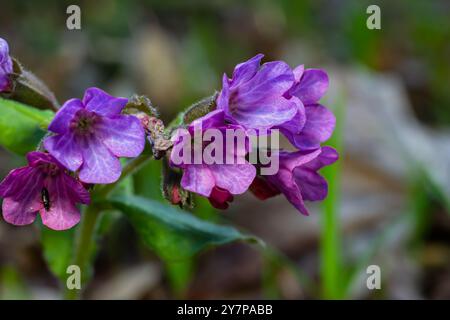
(21, 126)
(12, 284)
(172, 233)
(58, 247)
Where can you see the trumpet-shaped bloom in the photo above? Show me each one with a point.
(43, 186)
(91, 134)
(254, 96)
(313, 123)
(216, 181)
(297, 177)
(6, 66)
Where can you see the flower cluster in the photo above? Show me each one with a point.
(217, 181)
(269, 96)
(87, 137)
(85, 141)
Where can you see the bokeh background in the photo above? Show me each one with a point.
(389, 194)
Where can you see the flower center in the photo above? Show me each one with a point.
(49, 169)
(83, 123)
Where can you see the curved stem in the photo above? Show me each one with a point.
(85, 237)
(131, 167)
(84, 247)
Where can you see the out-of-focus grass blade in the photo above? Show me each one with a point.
(330, 239)
(274, 262)
(12, 286)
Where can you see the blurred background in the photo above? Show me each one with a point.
(389, 195)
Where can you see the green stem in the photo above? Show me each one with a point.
(330, 251)
(84, 247)
(330, 242)
(131, 167)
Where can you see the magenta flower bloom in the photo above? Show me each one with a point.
(298, 178)
(43, 186)
(91, 134)
(216, 181)
(6, 66)
(254, 96)
(313, 123)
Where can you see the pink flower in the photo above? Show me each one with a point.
(216, 181)
(45, 187)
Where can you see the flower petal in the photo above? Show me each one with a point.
(15, 181)
(312, 185)
(213, 119)
(263, 189)
(4, 51)
(272, 80)
(223, 99)
(244, 71)
(61, 121)
(198, 178)
(99, 164)
(296, 124)
(298, 72)
(219, 198)
(319, 126)
(77, 191)
(21, 213)
(291, 160)
(283, 180)
(264, 114)
(236, 178)
(326, 157)
(65, 148)
(102, 103)
(5, 82)
(6, 66)
(21, 208)
(123, 135)
(312, 86)
(63, 213)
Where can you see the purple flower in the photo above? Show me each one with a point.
(254, 96)
(297, 177)
(91, 134)
(216, 181)
(313, 123)
(6, 66)
(43, 186)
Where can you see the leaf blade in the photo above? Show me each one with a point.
(57, 247)
(172, 233)
(21, 126)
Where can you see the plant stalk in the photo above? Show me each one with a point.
(84, 248)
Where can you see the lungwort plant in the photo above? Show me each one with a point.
(81, 153)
